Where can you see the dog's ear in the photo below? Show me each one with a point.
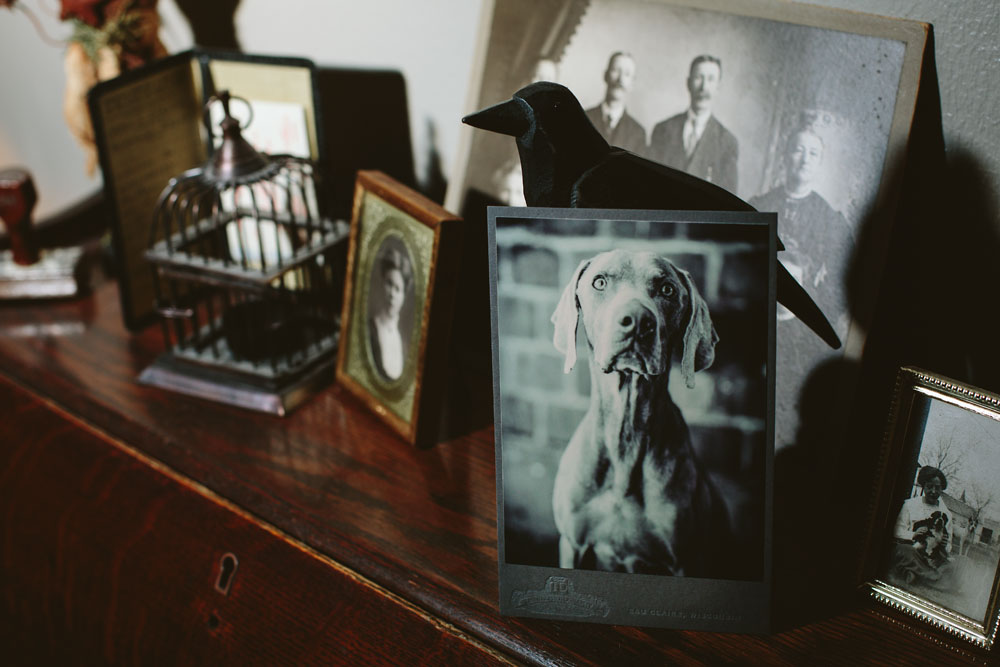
(565, 318)
(699, 334)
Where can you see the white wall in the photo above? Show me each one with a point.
(32, 131)
(431, 42)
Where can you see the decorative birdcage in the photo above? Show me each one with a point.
(248, 277)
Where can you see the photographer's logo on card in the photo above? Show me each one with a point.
(559, 598)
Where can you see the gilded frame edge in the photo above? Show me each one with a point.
(910, 382)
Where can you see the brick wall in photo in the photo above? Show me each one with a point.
(541, 406)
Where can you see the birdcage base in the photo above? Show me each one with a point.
(259, 394)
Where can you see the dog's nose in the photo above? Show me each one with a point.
(636, 319)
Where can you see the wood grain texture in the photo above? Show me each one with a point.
(419, 523)
(107, 559)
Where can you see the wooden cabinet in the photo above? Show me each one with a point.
(109, 554)
(119, 504)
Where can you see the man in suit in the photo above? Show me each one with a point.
(695, 141)
(610, 117)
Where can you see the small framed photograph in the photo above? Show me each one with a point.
(399, 294)
(934, 546)
(803, 111)
(633, 356)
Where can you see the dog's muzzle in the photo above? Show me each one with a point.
(633, 341)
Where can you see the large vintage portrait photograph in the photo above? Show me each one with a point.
(632, 391)
(936, 551)
(796, 109)
(399, 293)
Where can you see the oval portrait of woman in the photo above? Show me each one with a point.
(390, 308)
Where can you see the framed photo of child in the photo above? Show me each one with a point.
(934, 548)
(399, 293)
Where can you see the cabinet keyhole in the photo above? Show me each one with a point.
(227, 572)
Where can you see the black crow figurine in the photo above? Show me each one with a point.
(567, 163)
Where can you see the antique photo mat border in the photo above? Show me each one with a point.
(433, 244)
(878, 214)
(722, 605)
(916, 391)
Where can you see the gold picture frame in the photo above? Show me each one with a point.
(399, 293)
(933, 550)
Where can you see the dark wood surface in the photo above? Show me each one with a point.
(136, 582)
(346, 536)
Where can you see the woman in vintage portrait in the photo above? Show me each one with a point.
(818, 239)
(393, 280)
(923, 535)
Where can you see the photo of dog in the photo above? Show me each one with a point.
(633, 395)
(630, 494)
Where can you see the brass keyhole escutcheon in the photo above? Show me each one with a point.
(227, 572)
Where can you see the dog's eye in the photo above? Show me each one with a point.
(600, 282)
(667, 289)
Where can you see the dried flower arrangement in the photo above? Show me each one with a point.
(109, 37)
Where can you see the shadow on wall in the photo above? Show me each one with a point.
(934, 310)
(942, 304)
(365, 126)
(213, 23)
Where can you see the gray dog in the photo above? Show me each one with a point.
(630, 495)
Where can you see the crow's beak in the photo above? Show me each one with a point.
(794, 297)
(510, 118)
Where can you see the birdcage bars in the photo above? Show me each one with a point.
(244, 267)
(270, 331)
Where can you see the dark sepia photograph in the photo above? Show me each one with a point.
(940, 531)
(402, 263)
(794, 109)
(632, 405)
